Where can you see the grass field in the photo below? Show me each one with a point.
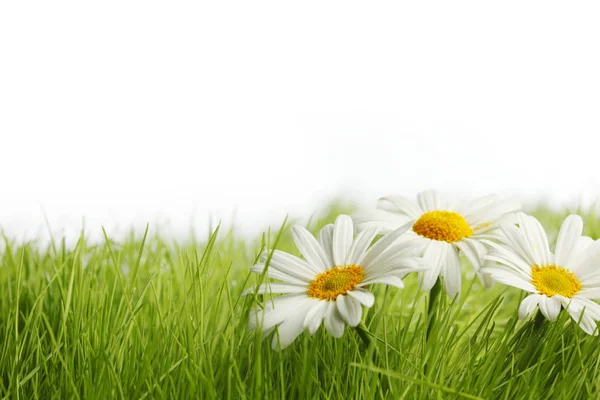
(151, 318)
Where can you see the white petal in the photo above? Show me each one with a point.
(398, 256)
(578, 310)
(536, 239)
(383, 220)
(471, 255)
(326, 242)
(592, 281)
(383, 244)
(291, 327)
(570, 232)
(592, 309)
(528, 305)
(508, 277)
(275, 287)
(389, 280)
(349, 309)
(578, 251)
(475, 253)
(310, 249)
(360, 245)
(452, 274)
(343, 232)
(365, 297)
(514, 238)
(475, 206)
(508, 257)
(315, 316)
(483, 214)
(587, 262)
(485, 280)
(292, 266)
(276, 274)
(275, 311)
(590, 293)
(550, 307)
(429, 200)
(399, 205)
(435, 253)
(333, 321)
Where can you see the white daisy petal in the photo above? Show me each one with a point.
(383, 220)
(365, 297)
(484, 216)
(326, 242)
(398, 256)
(550, 307)
(578, 253)
(435, 253)
(592, 309)
(382, 245)
(476, 205)
(582, 312)
(400, 205)
(536, 238)
(507, 256)
(475, 253)
(314, 317)
(429, 200)
(292, 266)
(360, 245)
(508, 277)
(343, 232)
(275, 311)
(276, 274)
(333, 321)
(350, 310)
(451, 273)
(275, 287)
(514, 238)
(590, 293)
(400, 266)
(586, 263)
(473, 257)
(528, 305)
(291, 327)
(384, 280)
(570, 232)
(310, 249)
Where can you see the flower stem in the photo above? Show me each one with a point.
(434, 296)
(363, 333)
(432, 306)
(539, 320)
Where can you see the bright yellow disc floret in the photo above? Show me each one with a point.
(446, 226)
(337, 281)
(552, 279)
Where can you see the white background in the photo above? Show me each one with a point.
(124, 112)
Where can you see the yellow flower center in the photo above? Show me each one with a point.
(443, 226)
(330, 284)
(552, 279)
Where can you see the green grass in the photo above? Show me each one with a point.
(150, 318)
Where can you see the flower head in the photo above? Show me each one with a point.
(441, 229)
(329, 286)
(568, 278)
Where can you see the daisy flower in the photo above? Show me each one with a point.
(568, 279)
(329, 286)
(441, 229)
